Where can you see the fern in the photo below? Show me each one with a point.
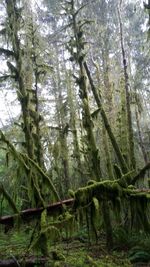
(139, 255)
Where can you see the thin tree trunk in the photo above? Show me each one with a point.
(63, 126)
(97, 97)
(140, 137)
(108, 105)
(132, 162)
(73, 126)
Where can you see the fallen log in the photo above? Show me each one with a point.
(29, 214)
(26, 262)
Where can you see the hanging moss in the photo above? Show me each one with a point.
(122, 198)
(71, 193)
(96, 220)
(126, 179)
(100, 190)
(139, 203)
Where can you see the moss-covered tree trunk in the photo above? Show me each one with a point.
(97, 97)
(27, 94)
(132, 162)
(141, 144)
(78, 43)
(61, 110)
(79, 173)
(108, 103)
(123, 138)
(25, 76)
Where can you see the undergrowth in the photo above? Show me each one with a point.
(130, 249)
(137, 245)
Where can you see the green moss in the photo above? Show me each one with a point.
(126, 179)
(95, 217)
(90, 182)
(44, 219)
(71, 193)
(101, 190)
(132, 187)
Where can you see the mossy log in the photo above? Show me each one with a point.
(26, 263)
(107, 190)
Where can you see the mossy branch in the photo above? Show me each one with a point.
(44, 176)
(106, 190)
(28, 164)
(13, 150)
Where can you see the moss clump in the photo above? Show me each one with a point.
(101, 190)
(71, 193)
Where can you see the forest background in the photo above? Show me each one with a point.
(75, 108)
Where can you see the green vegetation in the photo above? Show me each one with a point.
(78, 70)
(72, 254)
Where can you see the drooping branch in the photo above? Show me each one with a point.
(46, 178)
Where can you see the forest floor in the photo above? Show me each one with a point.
(73, 252)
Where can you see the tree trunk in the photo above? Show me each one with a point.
(97, 97)
(93, 153)
(145, 156)
(73, 126)
(132, 162)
